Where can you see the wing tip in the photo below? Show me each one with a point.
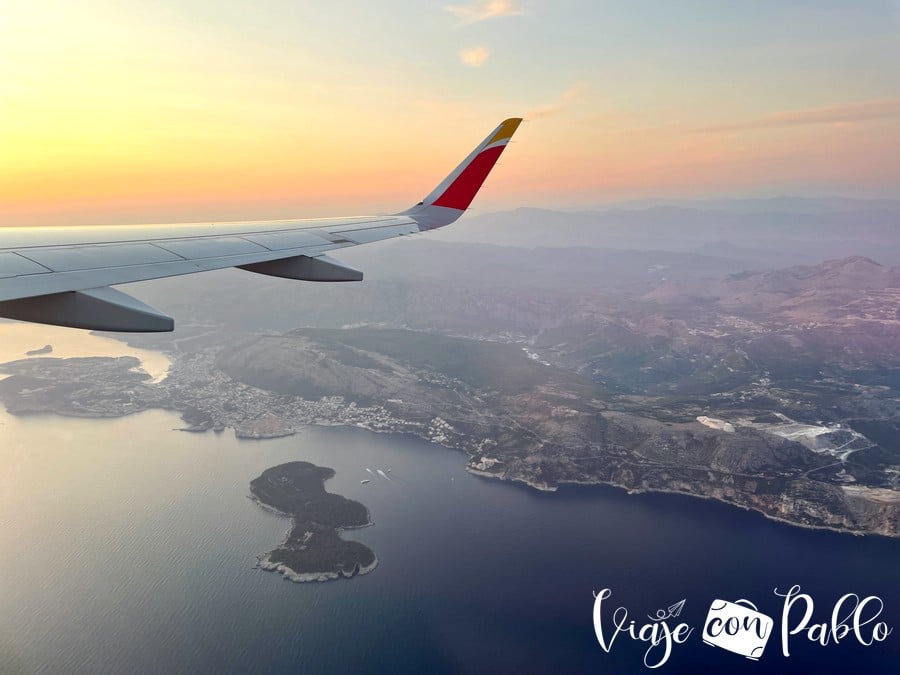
(506, 130)
(452, 197)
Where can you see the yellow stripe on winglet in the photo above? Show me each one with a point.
(506, 130)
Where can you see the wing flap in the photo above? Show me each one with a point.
(280, 241)
(12, 265)
(209, 247)
(366, 235)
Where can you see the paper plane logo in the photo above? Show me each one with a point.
(672, 612)
(737, 627)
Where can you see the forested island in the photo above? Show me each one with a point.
(313, 549)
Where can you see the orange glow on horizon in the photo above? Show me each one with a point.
(127, 112)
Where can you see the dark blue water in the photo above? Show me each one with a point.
(126, 547)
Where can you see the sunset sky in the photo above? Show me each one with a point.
(135, 111)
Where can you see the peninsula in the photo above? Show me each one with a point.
(771, 391)
(313, 549)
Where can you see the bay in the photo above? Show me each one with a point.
(126, 546)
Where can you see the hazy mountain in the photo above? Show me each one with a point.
(779, 204)
(825, 289)
(768, 233)
(574, 267)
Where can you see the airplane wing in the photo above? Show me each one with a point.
(63, 275)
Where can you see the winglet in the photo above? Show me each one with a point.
(449, 200)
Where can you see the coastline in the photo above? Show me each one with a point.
(546, 488)
(288, 574)
(543, 487)
(549, 489)
(857, 514)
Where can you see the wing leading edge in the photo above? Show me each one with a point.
(61, 276)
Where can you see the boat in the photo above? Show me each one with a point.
(364, 481)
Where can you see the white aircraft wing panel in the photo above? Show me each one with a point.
(29, 271)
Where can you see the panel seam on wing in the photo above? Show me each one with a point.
(36, 263)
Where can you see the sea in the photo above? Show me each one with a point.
(127, 546)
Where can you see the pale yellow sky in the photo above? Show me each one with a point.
(126, 111)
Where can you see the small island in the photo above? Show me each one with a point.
(313, 549)
(46, 349)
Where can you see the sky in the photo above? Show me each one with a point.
(130, 111)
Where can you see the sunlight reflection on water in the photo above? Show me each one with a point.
(18, 338)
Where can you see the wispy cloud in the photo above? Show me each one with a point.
(481, 10)
(834, 114)
(474, 56)
(565, 99)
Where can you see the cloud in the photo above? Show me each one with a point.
(570, 95)
(834, 114)
(474, 56)
(481, 10)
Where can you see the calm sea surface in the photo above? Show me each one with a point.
(128, 547)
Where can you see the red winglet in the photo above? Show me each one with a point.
(455, 193)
